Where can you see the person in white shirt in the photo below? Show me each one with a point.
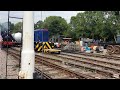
(81, 45)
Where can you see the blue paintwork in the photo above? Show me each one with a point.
(41, 35)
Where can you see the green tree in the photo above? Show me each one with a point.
(18, 27)
(112, 23)
(11, 26)
(78, 25)
(56, 25)
(39, 25)
(70, 33)
(96, 24)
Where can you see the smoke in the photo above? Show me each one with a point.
(3, 27)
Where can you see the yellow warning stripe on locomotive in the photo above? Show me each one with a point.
(40, 46)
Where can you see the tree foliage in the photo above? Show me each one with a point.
(56, 25)
(103, 25)
(18, 27)
(11, 26)
(96, 24)
(39, 24)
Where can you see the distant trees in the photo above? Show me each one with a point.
(18, 27)
(56, 25)
(96, 24)
(39, 24)
(11, 27)
(103, 25)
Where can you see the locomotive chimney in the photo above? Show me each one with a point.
(27, 54)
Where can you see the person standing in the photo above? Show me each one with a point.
(0, 42)
(81, 45)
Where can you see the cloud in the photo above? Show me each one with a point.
(37, 15)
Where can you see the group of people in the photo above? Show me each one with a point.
(85, 47)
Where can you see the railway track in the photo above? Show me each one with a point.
(106, 68)
(54, 70)
(98, 60)
(100, 67)
(107, 57)
(64, 71)
(16, 55)
(114, 57)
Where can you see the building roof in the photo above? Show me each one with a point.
(67, 38)
(41, 29)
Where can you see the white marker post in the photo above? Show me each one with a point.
(28, 54)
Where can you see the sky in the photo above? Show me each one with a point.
(37, 15)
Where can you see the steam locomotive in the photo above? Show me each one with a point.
(7, 39)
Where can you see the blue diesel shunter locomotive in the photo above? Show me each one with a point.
(41, 42)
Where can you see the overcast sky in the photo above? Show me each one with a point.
(37, 15)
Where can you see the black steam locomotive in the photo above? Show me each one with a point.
(8, 40)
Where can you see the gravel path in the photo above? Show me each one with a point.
(12, 70)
